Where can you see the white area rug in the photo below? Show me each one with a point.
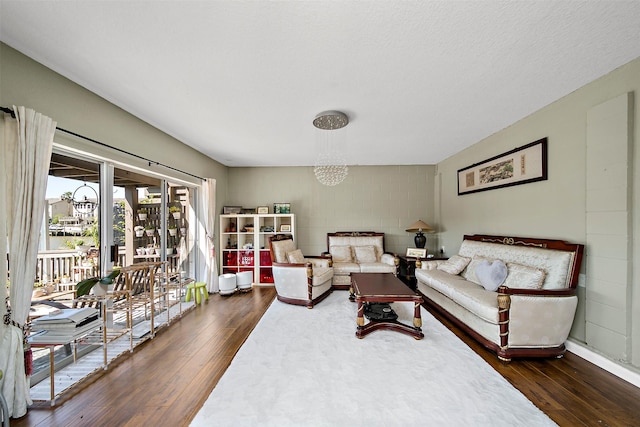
(303, 367)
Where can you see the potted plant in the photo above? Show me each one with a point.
(183, 231)
(175, 211)
(150, 230)
(173, 231)
(84, 287)
(142, 214)
(139, 230)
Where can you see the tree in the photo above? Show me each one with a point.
(67, 196)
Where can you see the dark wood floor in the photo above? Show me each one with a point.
(167, 379)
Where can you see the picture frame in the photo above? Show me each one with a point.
(416, 253)
(231, 210)
(285, 228)
(263, 209)
(521, 165)
(281, 208)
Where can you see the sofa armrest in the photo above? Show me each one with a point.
(390, 258)
(535, 317)
(319, 261)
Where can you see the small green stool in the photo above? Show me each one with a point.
(197, 291)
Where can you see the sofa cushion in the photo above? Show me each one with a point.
(555, 263)
(524, 277)
(365, 254)
(377, 267)
(341, 253)
(345, 268)
(295, 257)
(474, 298)
(454, 265)
(491, 274)
(469, 273)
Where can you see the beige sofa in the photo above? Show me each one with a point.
(358, 252)
(529, 314)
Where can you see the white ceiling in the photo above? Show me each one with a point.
(241, 81)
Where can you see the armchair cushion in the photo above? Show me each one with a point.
(295, 257)
(281, 249)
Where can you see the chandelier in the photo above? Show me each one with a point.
(331, 167)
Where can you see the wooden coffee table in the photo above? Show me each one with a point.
(384, 287)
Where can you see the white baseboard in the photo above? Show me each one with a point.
(604, 363)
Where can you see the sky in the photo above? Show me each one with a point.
(58, 186)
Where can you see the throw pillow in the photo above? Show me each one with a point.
(469, 273)
(491, 274)
(365, 254)
(295, 257)
(454, 265)
(340, 253)
(524, 277)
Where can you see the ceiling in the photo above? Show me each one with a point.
(241, 81)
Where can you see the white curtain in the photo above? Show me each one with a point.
(209, 269)
(26, 148)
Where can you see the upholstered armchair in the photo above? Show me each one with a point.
(298, 279)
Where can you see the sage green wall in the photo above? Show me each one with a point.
(28, 83)
(372, 198)
(555, 208)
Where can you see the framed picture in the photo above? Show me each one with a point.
(231, 210)
(416, 252)
(281, 208)
(263, 209)
(285, 227)
(519, 166)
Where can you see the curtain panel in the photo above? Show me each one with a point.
(209, 266)
(26, 145)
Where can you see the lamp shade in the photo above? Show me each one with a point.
(419, 226)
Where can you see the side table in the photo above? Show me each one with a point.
(408, 269)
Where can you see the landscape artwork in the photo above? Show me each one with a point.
(521, 165)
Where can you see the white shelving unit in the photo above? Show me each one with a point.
(244, 242)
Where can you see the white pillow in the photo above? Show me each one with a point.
(524, 277)
(454, 265)
(470, 272)
(365, 254)
(340, 253)
(491, 274)
(295, 257)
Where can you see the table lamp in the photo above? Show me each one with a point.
(418, 227)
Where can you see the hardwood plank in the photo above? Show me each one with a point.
(167, 379)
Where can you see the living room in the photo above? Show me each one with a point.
(388, 198)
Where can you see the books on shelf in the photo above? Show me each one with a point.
(65, 325)
(63, 336)
(70, 318)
